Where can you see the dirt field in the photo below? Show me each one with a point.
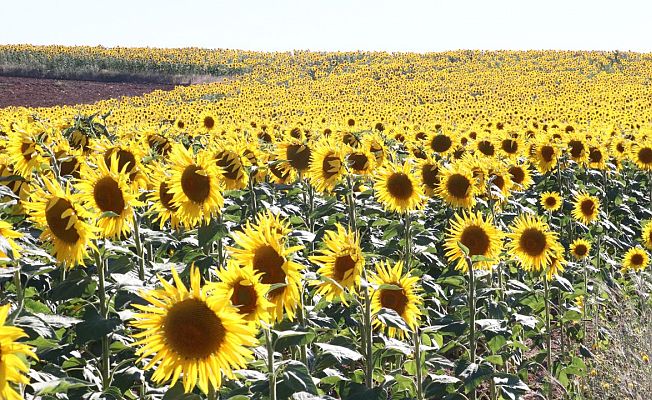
(34, 92)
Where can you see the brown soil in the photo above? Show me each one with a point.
(35, 92)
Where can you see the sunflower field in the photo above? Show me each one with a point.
(458, 225)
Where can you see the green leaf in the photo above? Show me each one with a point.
(389, 286)
(391, 319)
(93, 327)
(295, 377)
(287, 338)
(464, 249)
(108, 214)
(340, 353)
(60, 385)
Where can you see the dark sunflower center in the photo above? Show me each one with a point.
(330, 166)
(108, 196)
(587, 207)
(195, 186)
(637, 259)
(343, 264)
(581, 250)
(159, 144)
(509, 146)
(57, 224)
(498, 181)
(458, 186)
(265, 137)
(166, 197)
(70, 167)
(244, 298)
(268, 262)
(595, 155)
(430, 175)
(279, 172)
(533, 242)
(645, 155)
(576, 148)
(620, 148)
(400, 186)
(476, 240)
(28, 150)
(299, 156)
(124, 158)
(394, 299)
(517, 173)
(486, 148)
(547, 153)
(350, 139)
(441, 143)
(227, 160)
(209, 122)
(192, 330)
(358, 161)
(551, 201)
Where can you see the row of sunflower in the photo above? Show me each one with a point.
(201, 254)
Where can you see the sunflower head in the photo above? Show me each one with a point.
(13, 357)
(457, 187)
(646, 235)
(326, 167)
(586, 208)
(532, 242)
(635, 259)
(476, 233)
(580, 249)
(551, 201)
(398, 189)
(191, 334)
(9, 249)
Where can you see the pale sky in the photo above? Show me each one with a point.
(408, 25)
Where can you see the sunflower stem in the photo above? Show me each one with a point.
(105, 362)
(212, 394)
(140, 253)
(220, 245)
(368, 339)
(546, 296)
(19, 294)
(407, 253)
(252, 195)
(417, 359)
(270, 364)
(351, 200)
(471, 298)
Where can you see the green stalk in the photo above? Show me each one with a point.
(140, 253)
(212, 395)
(546, 296)
(351, 200)
(19, 294)
(368, 340)
(417, 359)
(471, 298)
(220, 245)
(104, 312)
(407, 253)
(270, 364)
(252, 195)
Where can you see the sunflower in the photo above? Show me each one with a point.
(195, 186)
(127, 156)
(532, 242)
(546, 155)
(191, 333)
(597, 157)
(556, 263)
(456, 187)
(160, 197)
(57, 212)
(376, 146)
(24, 152)
(13, 364)
(403, 299)
(428, 171)
(499, 182)
(360, 161)
(479, 235)
(262, 248)
(326, 167)
(646, 235)
(510, 146)
(105, 190)
(580, 249)
(636, 259)
(441, 143)
(232, 167)
(279, 173)
(341, 261)
(9, 249)
(551, 201)
(578, 148)
(641, 155)
(294, 155)
(245, 291)
(398, 189)
(520, 175)
(207, 122)
(586, 208)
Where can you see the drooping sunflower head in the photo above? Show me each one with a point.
(520, 176)
(586, 208)
(326, 167)
(341, 261)
(360, 161)
(232, 166)
(456, 187)
(546, 155)
(580, 249)
(635, 259)
(376, 145)
(476, 233)
(24, 151)
(556, 263)
(398, 189)
(597, 157)
(191, 335)
(9, 249)
(63, 222)
(402, 296)
(245, 292)
(428, 170)
(263, 249)
(13, 358)
(160, 197)
(195, 185)
(295, 155)
(106, 191)
(577, 148)
(532, 242)
(551, 201)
